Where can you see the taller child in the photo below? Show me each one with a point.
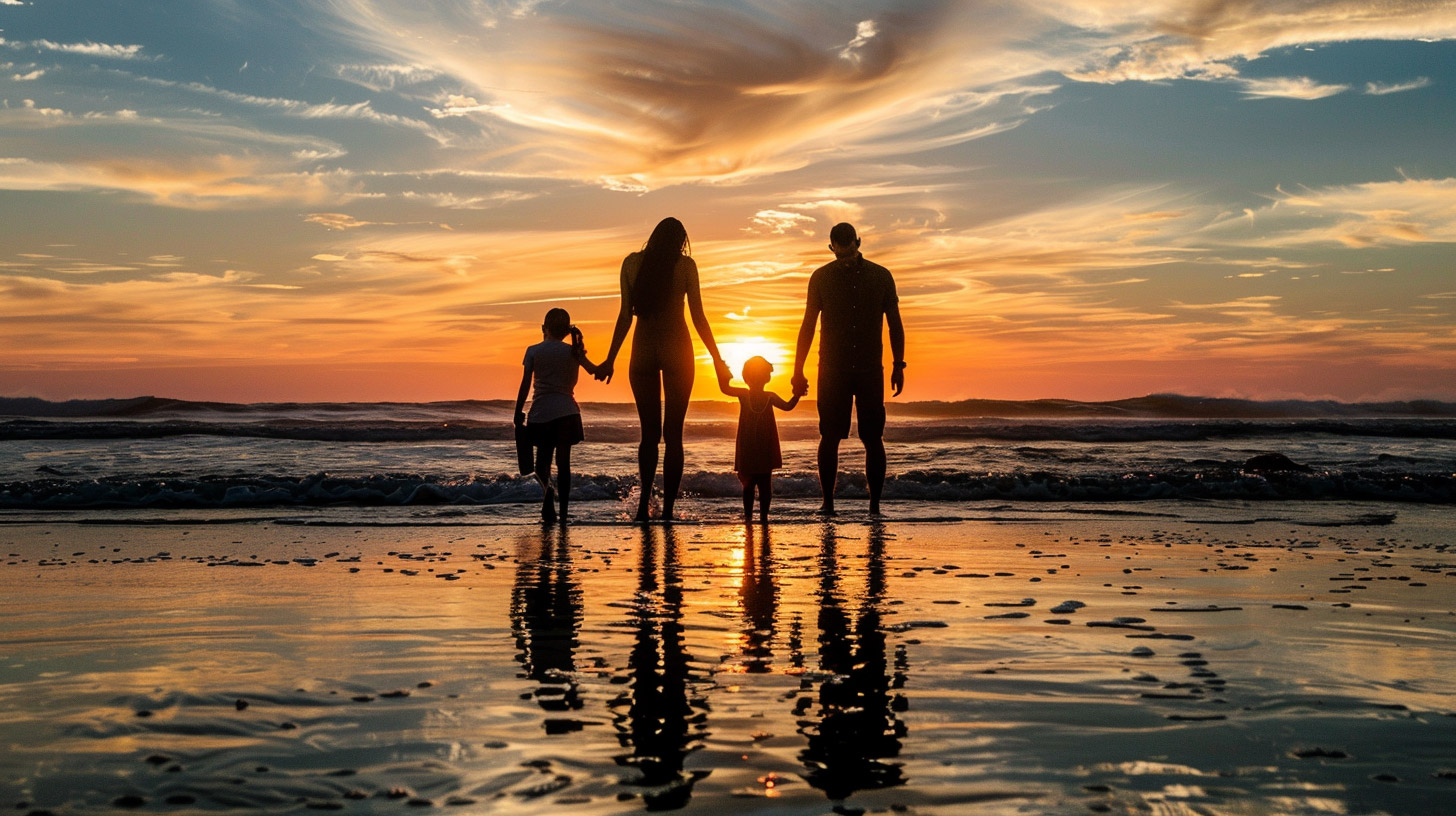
(655, 283)
(854, 299)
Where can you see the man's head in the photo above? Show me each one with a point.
(843, 240)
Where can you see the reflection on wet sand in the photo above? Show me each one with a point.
(854, 732)
(759, 597)
(661, 717)
(546, 617)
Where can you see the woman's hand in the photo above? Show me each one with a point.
(520, 417)
(604, 371)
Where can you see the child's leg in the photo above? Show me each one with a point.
(543, 475)
(563, 477)
(765, 495)
(747, 482)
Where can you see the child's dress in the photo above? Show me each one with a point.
(757, 449)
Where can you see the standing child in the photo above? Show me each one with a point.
(554, 423)
(757, 452)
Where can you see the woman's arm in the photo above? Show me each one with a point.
(700, 322)
(520, 417)
(619, 332)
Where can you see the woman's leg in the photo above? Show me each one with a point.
(747, 481)
(677, 387)
(563, 477)
(647, 393)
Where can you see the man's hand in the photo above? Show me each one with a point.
(897, 381)
(800, 384)
(520, 418)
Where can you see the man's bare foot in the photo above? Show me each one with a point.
(642, 515)
(874, 507)
(825, 509)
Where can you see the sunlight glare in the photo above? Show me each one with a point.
(738, 352)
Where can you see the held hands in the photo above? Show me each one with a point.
(800, 384)
(604, 371)
(725, 374)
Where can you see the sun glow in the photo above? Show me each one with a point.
(737, 352)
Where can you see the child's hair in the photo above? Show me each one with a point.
(557, 323)
(757, 370)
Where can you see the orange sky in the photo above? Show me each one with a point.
(1086, 199)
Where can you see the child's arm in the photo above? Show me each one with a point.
(781, 404)
(520, 417)
(578, 348)
(591, 368)
(732, 390)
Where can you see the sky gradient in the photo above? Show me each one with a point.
(1091, 199)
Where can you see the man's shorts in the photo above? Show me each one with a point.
(865, 390)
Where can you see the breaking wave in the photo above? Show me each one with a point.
(323, 489)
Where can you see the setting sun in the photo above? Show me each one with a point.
(737, 352)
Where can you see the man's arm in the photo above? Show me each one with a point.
(897, 348)
(812, 308)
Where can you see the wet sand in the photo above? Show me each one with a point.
(1063, 663)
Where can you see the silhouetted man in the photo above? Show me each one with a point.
(854, 298)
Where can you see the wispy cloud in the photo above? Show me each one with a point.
(1381, 88)
(1375, 214)
(90, 49)
(1290, 88)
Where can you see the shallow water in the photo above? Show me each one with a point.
(1252, 667)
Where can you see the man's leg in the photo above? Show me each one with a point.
(875, 471)
(835, 404)
(869, 403)
(828, 472)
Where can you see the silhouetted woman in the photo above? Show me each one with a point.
(655, 283)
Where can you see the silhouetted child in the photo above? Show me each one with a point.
(554, 424)
(757, 452)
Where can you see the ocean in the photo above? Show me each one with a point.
(151, 453)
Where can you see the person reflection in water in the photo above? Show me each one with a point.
(659, 719)
(854, 729)
(546, 615)
(655, 282)
(759, 596)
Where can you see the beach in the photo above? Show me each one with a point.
(1160, 657)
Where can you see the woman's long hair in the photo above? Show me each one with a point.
(653, 290)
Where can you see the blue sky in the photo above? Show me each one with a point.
(348, 199)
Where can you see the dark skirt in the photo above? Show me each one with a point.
(559, 432)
